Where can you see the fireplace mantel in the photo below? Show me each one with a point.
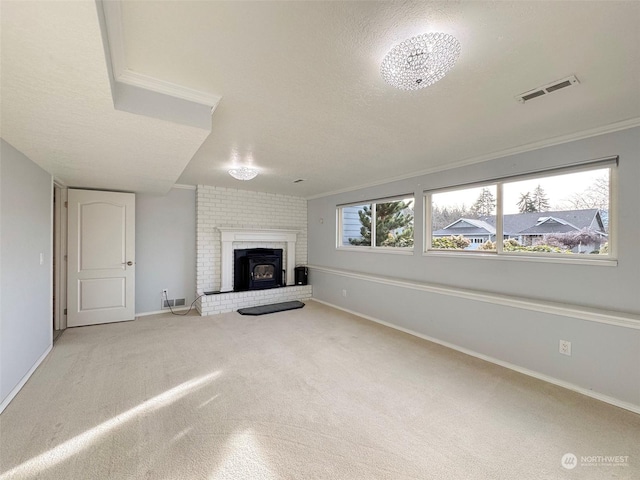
(230, 235)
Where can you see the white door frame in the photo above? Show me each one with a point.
(60, 255)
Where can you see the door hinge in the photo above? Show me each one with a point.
(66, 204)
(65, 311)
(65, 258)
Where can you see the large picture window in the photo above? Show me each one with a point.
(563, 213)
(463, 219)
(379, 224)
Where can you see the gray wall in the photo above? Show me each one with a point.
(515, 336)
(165, 248)
(26, 322)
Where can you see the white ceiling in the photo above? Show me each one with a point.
(301, 92)
(58, 110)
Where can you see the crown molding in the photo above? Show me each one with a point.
(59, 183)
(594, 132)
(122, 73)
(112, 14)
(167, 88)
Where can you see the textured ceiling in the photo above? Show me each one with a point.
(57, 106)
(301, 92)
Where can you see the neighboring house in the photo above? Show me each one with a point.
(351, 224)
(477, 231)
(529, 228)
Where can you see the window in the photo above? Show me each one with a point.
(464, 218)
(356, 221)
(384, 224)
(555, 213)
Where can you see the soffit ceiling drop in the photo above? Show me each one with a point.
(58, 108)
(302, 94)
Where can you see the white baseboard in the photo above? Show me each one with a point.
(165, 310)
(24, 379)
(540, 376)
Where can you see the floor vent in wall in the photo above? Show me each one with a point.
(546, 89)
(178, 302)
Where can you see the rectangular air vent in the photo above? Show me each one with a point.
(179, 302)
(535, 94)
(546, 89)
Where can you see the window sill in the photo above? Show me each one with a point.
(567, 259)
(391, 250)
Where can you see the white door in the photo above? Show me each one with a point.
(101, 257)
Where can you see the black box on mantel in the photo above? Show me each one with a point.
(301, 275)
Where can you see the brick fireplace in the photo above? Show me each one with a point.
(229, 219)
(259, 237)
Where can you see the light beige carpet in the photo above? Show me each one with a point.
(312, 393)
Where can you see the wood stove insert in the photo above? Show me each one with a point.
(257, 269)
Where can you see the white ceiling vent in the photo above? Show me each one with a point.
(550, 88)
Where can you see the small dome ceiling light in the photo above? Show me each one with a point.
(420, 61)
(243, 173)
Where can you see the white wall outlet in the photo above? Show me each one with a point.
(344, 293)
(565, 347)
(165, 294)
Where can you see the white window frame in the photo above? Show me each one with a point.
(609, 260)
(428, 238)
(373, 248)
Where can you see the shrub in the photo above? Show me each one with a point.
(512, 245)
(488, 245)
(572, 239)
(454, 242)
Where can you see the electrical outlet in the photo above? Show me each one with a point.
(344, 293)
(565, 347)
(164, 298)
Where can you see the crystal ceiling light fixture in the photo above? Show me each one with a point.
(243, 173)
(420, 61)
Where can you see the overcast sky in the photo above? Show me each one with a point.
(558, 189)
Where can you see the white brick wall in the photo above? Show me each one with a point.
(230, 302)
(228, 207)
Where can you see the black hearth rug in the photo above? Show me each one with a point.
(274, 307)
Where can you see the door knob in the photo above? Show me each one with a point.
(128, 263)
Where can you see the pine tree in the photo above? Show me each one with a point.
(540, 200)
(485, 204)
(394, 225)
(526, 203)
(365, 230)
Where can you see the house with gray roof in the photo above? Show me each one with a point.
(530, 228)
(477, 231)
